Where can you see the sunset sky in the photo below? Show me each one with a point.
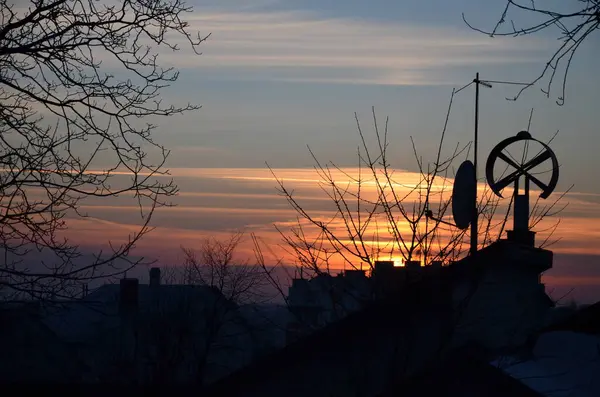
(276, 76)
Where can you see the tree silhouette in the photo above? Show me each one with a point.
(194, 331)
(379, 213)
(575, 21)
(80, 84)
(391, 222)
(213, 264)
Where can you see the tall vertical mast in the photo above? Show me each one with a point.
(475, 218)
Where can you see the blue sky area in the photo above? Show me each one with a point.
(276, 76)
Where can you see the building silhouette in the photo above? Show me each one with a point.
(399, 331)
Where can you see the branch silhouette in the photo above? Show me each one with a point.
(574, 26)
(80, 84)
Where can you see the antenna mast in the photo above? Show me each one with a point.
(475, 217)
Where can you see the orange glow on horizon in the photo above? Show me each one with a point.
(215, 213)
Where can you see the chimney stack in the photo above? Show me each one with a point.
(413, 265)
(154, 277)
(128, 295)
(383, 268)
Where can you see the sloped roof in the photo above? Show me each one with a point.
(586, 320)
(461, 375)
(336, 337)
(563, 363)
(431, 292)
(30, 350)
(78, 321)
(89, 322)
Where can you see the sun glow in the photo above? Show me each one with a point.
(246, 199)
(398, 262)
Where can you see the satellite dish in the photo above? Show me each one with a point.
(464, 195)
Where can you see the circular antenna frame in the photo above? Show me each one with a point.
(498, 184)
(464, 195)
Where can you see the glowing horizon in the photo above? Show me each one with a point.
(247, 204)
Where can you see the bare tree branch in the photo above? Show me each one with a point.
(575, 24)
(80, 84)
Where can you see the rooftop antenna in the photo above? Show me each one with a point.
(522, 207)
(521, 232)
(475, 216)
(464, 193)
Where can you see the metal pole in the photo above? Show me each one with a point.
(474, 221)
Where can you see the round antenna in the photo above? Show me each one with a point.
(526, 169)
(521, 168)
(464, 195)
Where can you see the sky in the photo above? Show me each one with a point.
(277, 76)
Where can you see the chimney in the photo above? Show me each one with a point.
(154, 277)
(128, 295)
(383, 268)
(413, 265)
(355, 274)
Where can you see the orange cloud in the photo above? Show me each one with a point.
(248, 201)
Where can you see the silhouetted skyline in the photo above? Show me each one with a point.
(276, 76)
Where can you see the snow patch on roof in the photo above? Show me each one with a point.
(563, 364)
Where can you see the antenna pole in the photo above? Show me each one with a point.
(475, 217)
(475, 220)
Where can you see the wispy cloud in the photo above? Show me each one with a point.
(303, 46)
(199, 150)
(252, 40)
(220, 200)
(215, 202)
